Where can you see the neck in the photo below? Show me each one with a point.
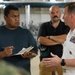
(55, 24)
(72, 27)
(10, 27)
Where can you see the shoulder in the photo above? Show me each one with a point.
(45, 24)
(65, 27)
(61, 22)
(23, 29)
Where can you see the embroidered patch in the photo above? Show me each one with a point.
(72, 39)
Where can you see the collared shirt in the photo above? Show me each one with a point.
(69, 48)
(47, 29)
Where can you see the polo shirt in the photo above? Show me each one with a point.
(46, 29)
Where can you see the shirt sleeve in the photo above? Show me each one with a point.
(42, 30)
(66, 29)
(32, 41)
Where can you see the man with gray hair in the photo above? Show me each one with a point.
(68, 57)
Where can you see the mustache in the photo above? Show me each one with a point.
(55, 17)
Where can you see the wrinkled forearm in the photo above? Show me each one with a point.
(45, 41)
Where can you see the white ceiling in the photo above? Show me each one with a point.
(42, 0)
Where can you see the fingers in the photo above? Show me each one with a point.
(53, 55)
(46, 59)
(47, 63)
(8, 50)
(54, 61)
(28, 55)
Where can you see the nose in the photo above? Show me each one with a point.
(17, 19)
(55, 14)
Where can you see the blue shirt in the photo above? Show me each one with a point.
(18, 38)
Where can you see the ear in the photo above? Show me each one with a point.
(72, 16)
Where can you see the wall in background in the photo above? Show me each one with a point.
(37, 16)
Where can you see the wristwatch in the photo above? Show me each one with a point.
(63, 62)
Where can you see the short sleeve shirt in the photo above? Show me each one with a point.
(47, 29)
(69, 48)
(19, 38)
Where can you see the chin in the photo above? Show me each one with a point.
(16, 25)
(66, 24)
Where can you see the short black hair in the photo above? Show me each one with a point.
(71, 7)
(8, 8)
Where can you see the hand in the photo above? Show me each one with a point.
(8, 51)
(54, 61)
(28, 55)
(48, 37)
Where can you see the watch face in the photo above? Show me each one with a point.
(63, 62)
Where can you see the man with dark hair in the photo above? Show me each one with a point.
(68, 57)
(13, 38)
(7, 9)
(51, 36)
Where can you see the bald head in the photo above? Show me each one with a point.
(55, 13)
(54, 7)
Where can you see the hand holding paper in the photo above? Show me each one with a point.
(24, 50)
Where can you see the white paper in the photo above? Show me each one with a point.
(24, 50)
